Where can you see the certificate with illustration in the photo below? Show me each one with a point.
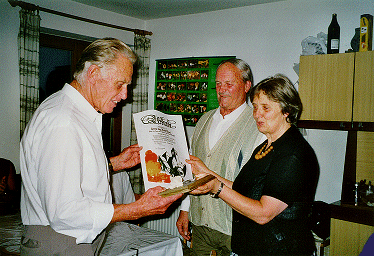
(165, 149)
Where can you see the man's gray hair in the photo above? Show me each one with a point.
(242, 66)
(103, 52)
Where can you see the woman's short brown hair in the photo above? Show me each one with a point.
(279, 88)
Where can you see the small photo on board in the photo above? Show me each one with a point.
(171, 86)
(183, 64)
(172, 64)
(204, 74)
(180, 108)
(162, 65)
(161, 86)
(202, 109)
(180, 97)
(188, 108)
(203, 97)
(195, 109)
(193, 74)
(204, 86)
(161, 96)
(161, 75)
(173, 107)
(192, 63)
(183, 75)
(181, 86)
(176, 75)
(162, 107)
(193, 97)
(170, 96)
(203, 63)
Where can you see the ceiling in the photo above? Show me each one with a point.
(155, 9)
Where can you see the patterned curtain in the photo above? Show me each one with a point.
(142, 48)
(28, 51)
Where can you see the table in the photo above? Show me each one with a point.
(124, 239)
(10, 233)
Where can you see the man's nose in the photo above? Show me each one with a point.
(256, 113)
(221, 88)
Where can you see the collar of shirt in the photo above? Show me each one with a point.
(220, 124)
(84, 105)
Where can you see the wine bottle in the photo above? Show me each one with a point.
(333, 36)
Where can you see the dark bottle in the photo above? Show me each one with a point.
(333, 36)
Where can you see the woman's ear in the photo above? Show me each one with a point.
(286, 115)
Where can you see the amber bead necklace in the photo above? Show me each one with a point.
(260, 154)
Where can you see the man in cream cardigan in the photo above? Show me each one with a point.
(224, 139)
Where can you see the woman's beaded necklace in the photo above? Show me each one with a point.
(260, 154)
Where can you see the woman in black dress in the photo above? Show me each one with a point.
(272, 195)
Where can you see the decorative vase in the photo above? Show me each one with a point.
(355, 42)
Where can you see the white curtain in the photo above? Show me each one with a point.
(28, 51)
(142, 48)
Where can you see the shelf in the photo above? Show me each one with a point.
(336, 125)
(324, 125)
(363, 126)
(353, 149)
(360, 214)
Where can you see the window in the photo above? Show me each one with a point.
(58, 56)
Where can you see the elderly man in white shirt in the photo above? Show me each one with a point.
(66, 201)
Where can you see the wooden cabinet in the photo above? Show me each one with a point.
(326, 87)
(351, 242)
(351, 226)
(337, 91)
(363, 103)
(337, 87)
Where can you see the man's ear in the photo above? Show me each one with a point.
(248, 86)
(93, 73)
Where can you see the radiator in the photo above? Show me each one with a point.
(166, 222)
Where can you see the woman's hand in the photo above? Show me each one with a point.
(198, 167)
(210, 187)
(201, 170)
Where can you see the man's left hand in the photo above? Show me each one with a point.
(128, 158)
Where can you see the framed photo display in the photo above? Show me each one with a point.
(186, 86)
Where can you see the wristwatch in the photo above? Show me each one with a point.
(218, 191)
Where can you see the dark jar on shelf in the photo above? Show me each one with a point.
(355, 42)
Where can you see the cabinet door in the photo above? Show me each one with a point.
(363, 104)
(365, 156)
(326, 87)
(348, 238)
